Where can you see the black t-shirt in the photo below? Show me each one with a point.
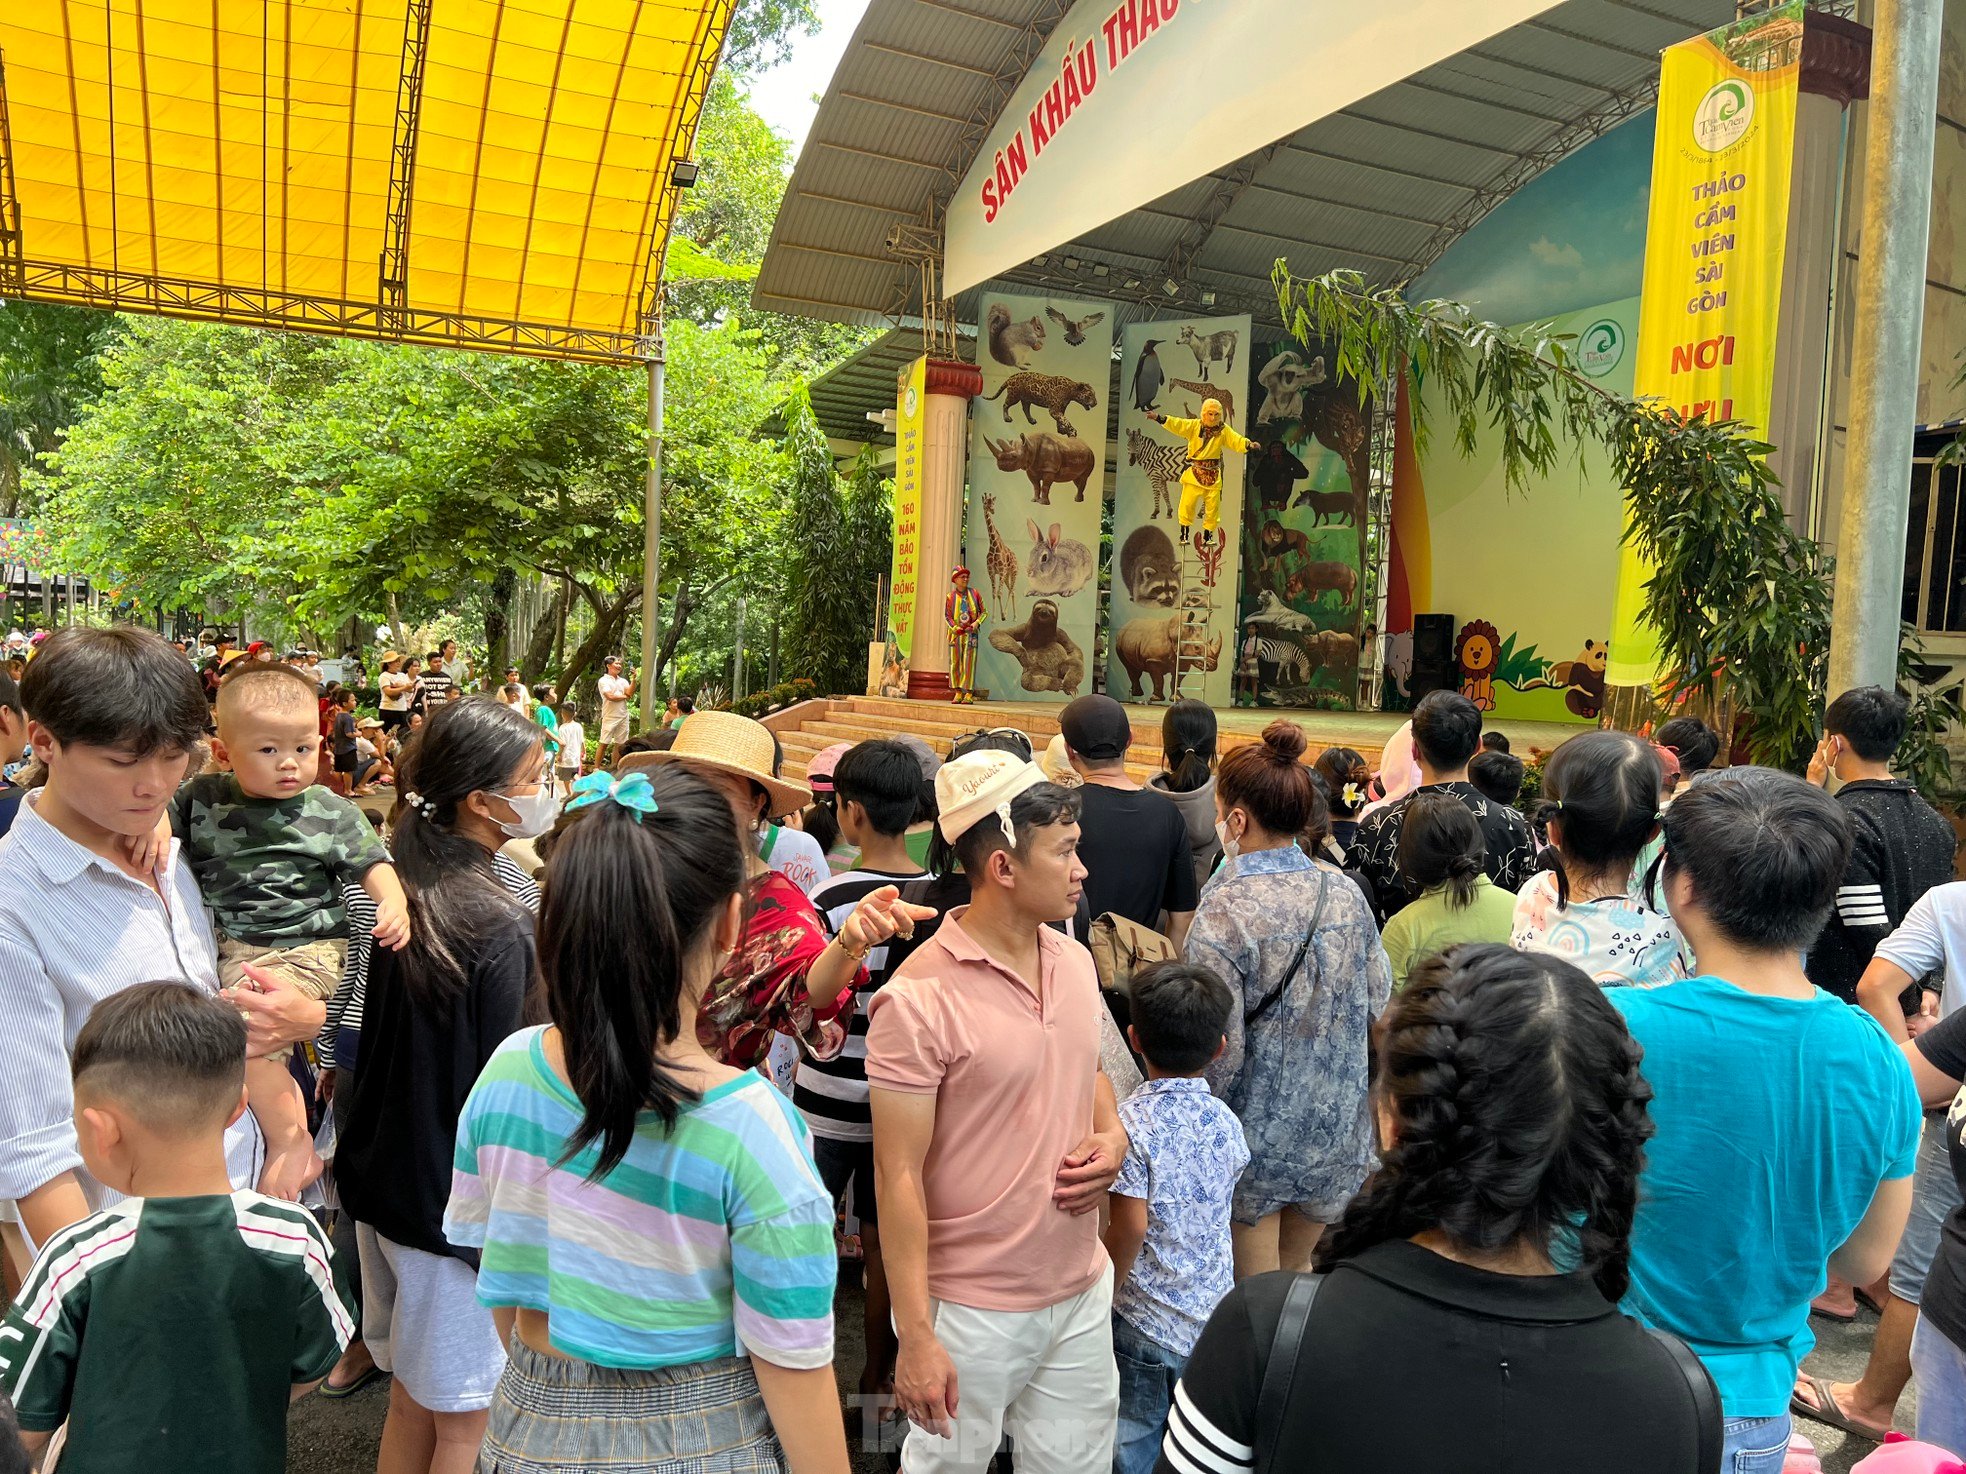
(1510, 848)
(416, 1065)
(1135, 847)
(1944, 1300)
(1900, 848)
(1412, 1361)
(344, 734)
(433, 688)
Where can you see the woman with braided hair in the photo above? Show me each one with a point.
(1485, 1261)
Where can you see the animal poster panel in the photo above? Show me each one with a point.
(1037, 463)
(1172, 630)
(1303, 532)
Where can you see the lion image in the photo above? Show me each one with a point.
(1476, 651)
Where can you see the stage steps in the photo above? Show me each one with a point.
(807, 729)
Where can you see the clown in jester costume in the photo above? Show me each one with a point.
(964, 613)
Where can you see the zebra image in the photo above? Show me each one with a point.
(1162, 463)
(1291, 659)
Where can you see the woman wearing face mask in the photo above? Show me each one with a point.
(435, 1013)
(1295, 941)
(788, 987)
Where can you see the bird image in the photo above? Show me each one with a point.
(1147, 376)
(1074, 327)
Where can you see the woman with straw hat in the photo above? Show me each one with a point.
(788, 977)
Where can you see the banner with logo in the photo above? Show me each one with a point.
(1037, 485)
(904, 578)
(1172, 622)
(1132, 98)
(1718, 225)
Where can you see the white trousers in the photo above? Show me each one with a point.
(1045, 1377)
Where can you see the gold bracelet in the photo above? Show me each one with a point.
(853, 956)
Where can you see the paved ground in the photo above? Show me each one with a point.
(340, 1437)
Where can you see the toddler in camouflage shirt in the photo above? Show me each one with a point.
(271, 848)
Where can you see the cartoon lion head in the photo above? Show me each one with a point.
(1477, 648)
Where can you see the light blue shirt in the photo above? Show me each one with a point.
(1777, 1119)
(74, 930)
(1187, 1152)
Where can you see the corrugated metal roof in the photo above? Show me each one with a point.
(1382, 187)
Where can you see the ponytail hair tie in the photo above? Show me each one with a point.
(632, 791)
(424, 806)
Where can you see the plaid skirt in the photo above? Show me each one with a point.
(556, 1416)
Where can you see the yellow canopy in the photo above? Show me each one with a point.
(475, 173)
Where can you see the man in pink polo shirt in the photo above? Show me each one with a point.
(994, 1135)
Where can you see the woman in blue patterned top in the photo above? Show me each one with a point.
(1295, 940)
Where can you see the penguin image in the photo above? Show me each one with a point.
(1147, 376)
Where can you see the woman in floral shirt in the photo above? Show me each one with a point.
(789, 986)
(1294, 939)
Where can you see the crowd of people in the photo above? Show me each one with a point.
(1564, 1117)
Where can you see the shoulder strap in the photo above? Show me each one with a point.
(1281, 1368)
(1706, 1401)
(915, 892)
(1275, 995)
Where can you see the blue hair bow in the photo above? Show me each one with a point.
(632, 791)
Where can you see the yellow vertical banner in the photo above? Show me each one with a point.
(1714, 247)
(889, 673)
(904, 586)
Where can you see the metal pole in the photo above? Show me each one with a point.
(652, 539)
(737, 656)
(1890, 317)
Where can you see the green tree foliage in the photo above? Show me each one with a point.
(49, 368)
(1740, 601)
(829, 618)
(761, 32)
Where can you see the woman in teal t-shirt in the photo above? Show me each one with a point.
(1441, 853)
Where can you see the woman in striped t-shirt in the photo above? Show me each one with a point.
(654, 1241)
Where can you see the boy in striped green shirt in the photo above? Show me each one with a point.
(170, 1330)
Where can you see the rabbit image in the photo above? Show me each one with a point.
(1057, 568)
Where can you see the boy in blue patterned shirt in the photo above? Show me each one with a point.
(1169, 1228)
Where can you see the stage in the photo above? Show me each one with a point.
(806, 729)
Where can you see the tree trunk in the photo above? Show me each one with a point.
(539, 648)
(563, 605)
(396, 632)
(498, 622)
(609, 621)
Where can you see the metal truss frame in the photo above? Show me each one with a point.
(131, 291)
(696, 90)
(393, 277)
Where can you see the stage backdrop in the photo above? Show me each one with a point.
(1302, 527)
(1540, 566)
(1173, 606)
(1529, 577)
(1037, 465)
(1132, 98)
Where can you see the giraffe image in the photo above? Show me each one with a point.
(1003, 562)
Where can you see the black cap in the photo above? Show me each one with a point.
(1096, 728)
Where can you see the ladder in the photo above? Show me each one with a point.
(1196, 609)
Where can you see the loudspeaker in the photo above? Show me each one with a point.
(1433, 655)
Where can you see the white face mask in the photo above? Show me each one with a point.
(1230, 848)
(536, 812)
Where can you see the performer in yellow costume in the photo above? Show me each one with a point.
(1202, 481)
(964, 613)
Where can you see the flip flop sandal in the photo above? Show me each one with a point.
(1864, 1298)
(1825, 1409)
(1840, 1317)
(335, 1394)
